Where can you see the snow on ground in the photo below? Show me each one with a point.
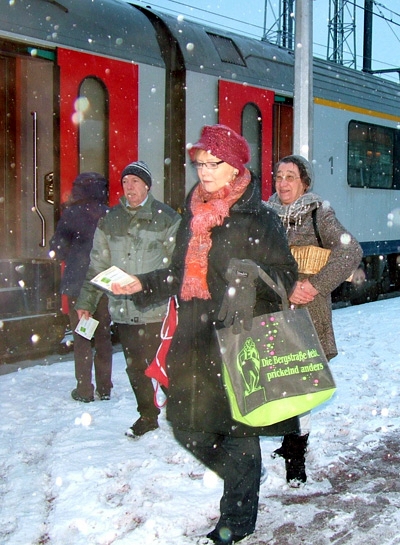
(69, 476)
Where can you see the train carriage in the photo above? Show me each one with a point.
(92, 85)
(70, 102)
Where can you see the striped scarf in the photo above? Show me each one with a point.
(293, 213)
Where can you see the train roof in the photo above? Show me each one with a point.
(127, 31)
(231, 56)
(345, 85)
(257, 62)
(109, 27)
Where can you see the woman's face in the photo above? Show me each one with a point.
(289, 185)
(213, 179)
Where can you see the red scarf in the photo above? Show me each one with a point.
(209, 210)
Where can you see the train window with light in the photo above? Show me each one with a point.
(372, 152)
(251, 130)
(93, 126)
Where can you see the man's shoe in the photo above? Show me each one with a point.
(103, 397)
(78, 397)
(142, 426)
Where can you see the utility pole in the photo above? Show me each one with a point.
(367, 51)
(303, 80)
(281, 32)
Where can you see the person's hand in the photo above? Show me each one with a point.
(83, 314)
(303, 293)
(240, 296)
(128, 289)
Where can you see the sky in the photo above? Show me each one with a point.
(248, 17)
(69, 475)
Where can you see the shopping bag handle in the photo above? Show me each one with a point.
(276, 286)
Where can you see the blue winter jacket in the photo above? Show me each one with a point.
(73, 238)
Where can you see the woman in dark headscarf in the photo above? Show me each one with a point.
(72, 243)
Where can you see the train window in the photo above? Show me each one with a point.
(93, 127)
(372, 152)
(227, 49)
(251, 130)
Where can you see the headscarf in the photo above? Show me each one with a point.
(88, 187)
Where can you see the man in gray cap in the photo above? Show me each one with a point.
(137, 235)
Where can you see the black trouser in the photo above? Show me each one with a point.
(140, 343)
(83, 351)
(237, 460)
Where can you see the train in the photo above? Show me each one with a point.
(91, 85)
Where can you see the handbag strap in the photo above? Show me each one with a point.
(170, 319)
(276, 286)
(315, 225)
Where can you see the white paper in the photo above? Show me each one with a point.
(86, 328)
(113, 274)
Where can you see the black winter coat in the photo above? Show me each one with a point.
(196, 396)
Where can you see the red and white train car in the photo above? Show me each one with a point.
(95, 84)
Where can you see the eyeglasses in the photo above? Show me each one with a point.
(209, 165)
(288, 177)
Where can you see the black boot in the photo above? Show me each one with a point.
(143, 425)
(293, 450)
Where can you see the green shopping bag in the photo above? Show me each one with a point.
(276, 370)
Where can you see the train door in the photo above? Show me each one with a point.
(29, 300)
(283, 128)
(114, 127)
(249, 111)
(264, 119)
(26, 140)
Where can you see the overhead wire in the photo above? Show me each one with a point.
(379, 5)
(257, 30)
(187, 5)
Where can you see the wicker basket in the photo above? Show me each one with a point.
(310, 259)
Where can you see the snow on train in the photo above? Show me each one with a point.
(94, 84)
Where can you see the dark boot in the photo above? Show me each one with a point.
(78, 397)
(224, 537)
(141, 426)
(293, 451)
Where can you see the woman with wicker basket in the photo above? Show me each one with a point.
(327, 254)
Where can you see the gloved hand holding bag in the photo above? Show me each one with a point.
(240, 297)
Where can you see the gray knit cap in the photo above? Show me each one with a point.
(140, 169)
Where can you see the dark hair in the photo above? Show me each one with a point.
(303, 165)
